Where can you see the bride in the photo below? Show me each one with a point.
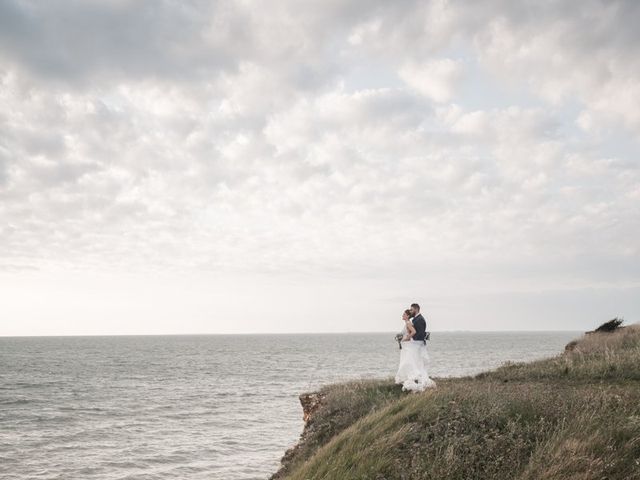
(412, 371)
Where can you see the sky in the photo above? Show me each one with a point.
(173, 167)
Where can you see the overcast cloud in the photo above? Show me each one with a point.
(195, 166)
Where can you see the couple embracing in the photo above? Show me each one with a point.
(412, 371)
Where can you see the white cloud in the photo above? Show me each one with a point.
(435, 79)
(192, 137)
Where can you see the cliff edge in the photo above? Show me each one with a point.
(575, 415)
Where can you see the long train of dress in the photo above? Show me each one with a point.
(412, 370)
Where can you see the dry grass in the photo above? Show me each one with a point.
(574, 416)
(596, 357)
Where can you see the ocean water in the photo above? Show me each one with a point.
(196, 407)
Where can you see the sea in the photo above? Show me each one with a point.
(197, 406)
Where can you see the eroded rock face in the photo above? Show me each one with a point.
(310, 402)
(571, 346)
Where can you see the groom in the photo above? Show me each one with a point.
(419, 323)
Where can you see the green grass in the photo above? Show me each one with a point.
(574, 416)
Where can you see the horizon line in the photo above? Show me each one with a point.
(273, 333)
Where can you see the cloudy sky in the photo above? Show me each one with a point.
(298, 166)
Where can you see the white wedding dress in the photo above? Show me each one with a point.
(412, 370)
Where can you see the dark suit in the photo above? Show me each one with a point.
(420, 324)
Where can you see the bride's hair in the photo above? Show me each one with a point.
(408, 312)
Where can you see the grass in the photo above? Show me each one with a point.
(573, 416)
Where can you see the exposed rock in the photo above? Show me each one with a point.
(569, 347)
(310, 402)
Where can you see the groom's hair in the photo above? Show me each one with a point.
(416, 306)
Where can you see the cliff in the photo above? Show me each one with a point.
(576, 415)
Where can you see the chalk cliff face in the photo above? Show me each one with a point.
(310, 402)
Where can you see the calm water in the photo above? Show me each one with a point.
(196, 407)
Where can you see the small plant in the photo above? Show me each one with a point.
(609, 326)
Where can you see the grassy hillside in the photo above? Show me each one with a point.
(574, 416)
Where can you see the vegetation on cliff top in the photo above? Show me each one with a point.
(576, 415)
